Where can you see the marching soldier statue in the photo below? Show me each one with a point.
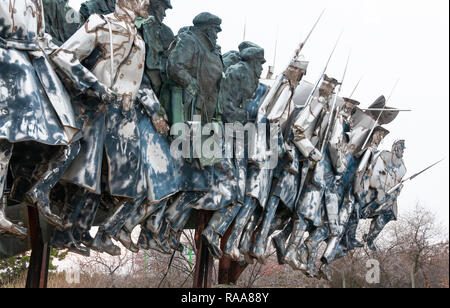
(195, 69)
(35, 110)
(112, 55)
(157, 37)
(238, 87)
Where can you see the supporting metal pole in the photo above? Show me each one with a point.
(40, 255)
(204, 262)
(229, 271)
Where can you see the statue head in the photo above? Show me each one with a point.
(158, 9)
(327, 87)
(398, 148)
(379, 133)
(209, 25)
(349, 106)
(231, 58)
(295, 72)
(254, 56)
(139, 7)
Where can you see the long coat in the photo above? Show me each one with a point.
(34, 105)
(111, 129)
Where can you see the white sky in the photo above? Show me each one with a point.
(406, 39)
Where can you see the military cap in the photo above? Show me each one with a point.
(330, 80)
(231, 58)
(351, 101)
(302, 65)
(207, 19)
(167, 3)
(247, 44)
(399, 143)
(253, 53)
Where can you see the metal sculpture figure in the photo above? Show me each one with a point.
(35, 106)
(113, 50)
(157, 37)
(237, 88)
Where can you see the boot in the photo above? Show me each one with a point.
(118, 220)
(174, 241)
(248, 236)
(242, 218)
(64, 240)
(40, 193)
(295, 241)
(259, 248)
(103, 243)
(313, 243)
(6, 226)
(124, 238)
(324, 272)
(213, 242)
(279, 241)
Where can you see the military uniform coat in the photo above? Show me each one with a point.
(112, 129)
(34, 105)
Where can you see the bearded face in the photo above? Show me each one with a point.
(399, 149)
(158, 10)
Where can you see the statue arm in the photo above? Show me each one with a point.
(69, 56)
(180, 60)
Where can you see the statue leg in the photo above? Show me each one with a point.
(279, 241)
(248, 235)
(111, 228)
(259, 248)
(295, 241)
(312, 243)
(136, 218)
(40, 193)
(218, 225)
(242, 218)
(181, 208)
(377, 226)
(64, 239)
(6, 226)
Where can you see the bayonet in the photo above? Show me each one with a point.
(379, 109)
(302, 45)
(412, 177)
(379, 116)
(319, 81)
(356, 87)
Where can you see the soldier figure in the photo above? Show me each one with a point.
(309, 131)
(36, 110)
(195, 68)
(238, 87)
(111, 130)
(157, 37)
(385, 173)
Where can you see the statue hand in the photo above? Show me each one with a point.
(161, 123)
(193, 89)
(315, 156)
(105, 94)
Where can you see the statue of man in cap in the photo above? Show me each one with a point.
(237, 89)
(195, 69)
(157, 37)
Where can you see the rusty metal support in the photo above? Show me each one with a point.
(229, 271)
(204, 262)
(40, 255)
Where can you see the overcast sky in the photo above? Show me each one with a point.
(389, 39)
